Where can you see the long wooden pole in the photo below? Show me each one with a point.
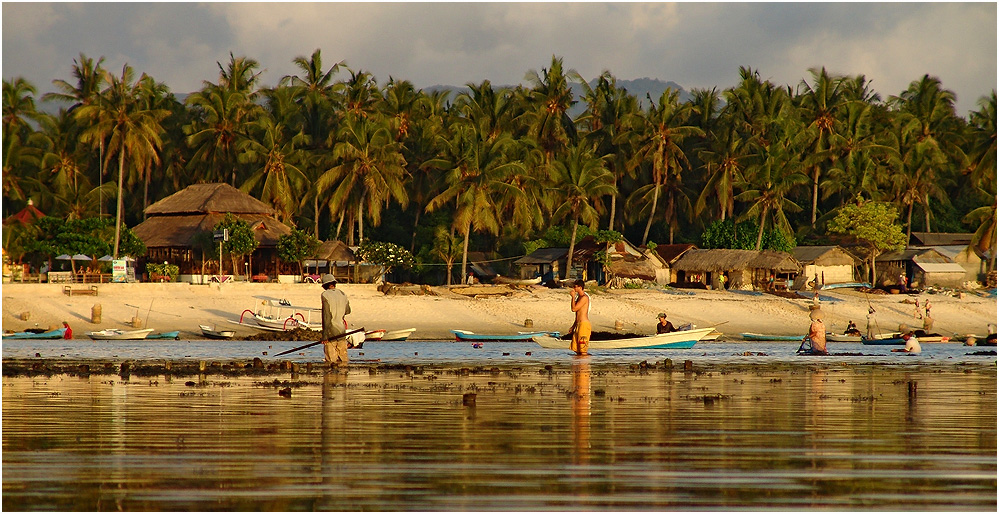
(345, 334)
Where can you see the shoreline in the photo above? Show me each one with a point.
(484, 309)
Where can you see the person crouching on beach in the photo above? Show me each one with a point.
(911, 341)
(581, 330)
(816, 338)
(664, 327)
(336, 306)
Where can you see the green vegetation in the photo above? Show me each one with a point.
(340, 155)
(297, 246)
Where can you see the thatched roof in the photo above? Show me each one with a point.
(25, 216)
(824, 255)
(670, 253)
(633, 267)
(940, 238)
(335, 251)
(209, 198)
(914, 254)
(180, 231)
(718, 260)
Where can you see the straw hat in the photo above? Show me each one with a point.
(815, 314)
(328, 279)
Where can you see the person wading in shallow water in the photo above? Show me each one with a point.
(581, 330)
(815, 342)
(335, 307)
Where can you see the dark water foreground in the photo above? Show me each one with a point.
(582, 435)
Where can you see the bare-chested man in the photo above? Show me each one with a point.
(581, 330)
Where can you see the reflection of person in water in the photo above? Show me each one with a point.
(581, 410)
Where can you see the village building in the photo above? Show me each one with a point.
(828, 264)
(670, 254)
(606, 263)
(735, 269)
(921, 267)
(957, 247)
(177, 225)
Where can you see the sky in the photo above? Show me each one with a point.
(696, 45)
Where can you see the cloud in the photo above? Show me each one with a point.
(693, 44)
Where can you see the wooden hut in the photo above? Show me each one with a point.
(734, 269)
(670, 254)
(174, 223)
(830, 264)
(921, 266)
(543, 262)
(958, 248)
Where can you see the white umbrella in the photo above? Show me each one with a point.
(65, 257)
(106, 258)
(81, 257)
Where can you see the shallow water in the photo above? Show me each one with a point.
(589, 434)
(437, 352)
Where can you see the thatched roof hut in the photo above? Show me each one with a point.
(722, 260)
(174, 223)
(335, 251)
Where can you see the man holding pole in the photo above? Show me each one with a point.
(335, 308)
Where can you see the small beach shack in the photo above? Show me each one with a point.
(670, 254)
(543, 262)
(922, 267)
(174, 223)
(957, 247)
(628, 263)
(734, 269)
(832, 264)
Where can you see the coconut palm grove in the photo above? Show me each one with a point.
(496, 169)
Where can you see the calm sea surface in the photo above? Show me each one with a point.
(767, 430)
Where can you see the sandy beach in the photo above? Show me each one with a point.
(183, 307)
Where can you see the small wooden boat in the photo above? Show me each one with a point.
(712, 336)
(374, 335)
(173, 334)
(500, 279)
(114, 334)
(215, 333)
(843, 338)
(398, 335)
(887, 341)
(465, 335)
(679, 340)
(58, 333)
(749, 336)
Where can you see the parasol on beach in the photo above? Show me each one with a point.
(106, 258)
(81, 257)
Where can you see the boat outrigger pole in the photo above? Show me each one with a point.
(310, 345)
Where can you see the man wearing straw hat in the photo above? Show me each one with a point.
(335, 308)
(816, 338)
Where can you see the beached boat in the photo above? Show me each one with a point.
(712, 336)
(374, 335)
(749, 336)
(215, 333)
(679, 340)
(843, 338)
(114, 334)
(465, 335)
(886, 341)
(58, 333)
(173, 334)
(500, 279)
(398, 335)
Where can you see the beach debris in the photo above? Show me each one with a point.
(286, 392)
(257, 363)
(599, 392)
(25, 316)
(618, 325)
(528, 354)
(688, 366)
(506, 354)
(528, 323)
(468, 399)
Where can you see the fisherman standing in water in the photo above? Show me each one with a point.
(581, 330)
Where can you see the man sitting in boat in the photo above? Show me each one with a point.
(664, 327)
(851, 329)
(815, 342)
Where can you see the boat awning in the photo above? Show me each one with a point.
(940, 267)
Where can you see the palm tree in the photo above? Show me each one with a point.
(820, 102)
(724, 161)
(660, 132)
(240, 75)
(314, 89)
(132, 131)
(480, 179)
(547, 113)
(582, 181)
(369, 171)
(18, 105)
(769, 183)
(359, 95)
(860, 158)
(275, 157)
(220, 118)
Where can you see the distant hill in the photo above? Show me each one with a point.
(639, 87)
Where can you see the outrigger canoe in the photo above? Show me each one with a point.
(173, 334)
(58, 333)
(391, 335)
(215, 333)
(749, 336)
(114, 334)
(465, 335)
(680, 340)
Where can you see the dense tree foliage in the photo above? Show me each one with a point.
(340, 155)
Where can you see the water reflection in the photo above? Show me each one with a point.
(581, 436)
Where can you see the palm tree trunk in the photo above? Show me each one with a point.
(908, 223)
(360, 221)
(815, 193)
(315, 222)
(572, 248)
(613, 209)
(121, 183)
(464, 251)
(652, 214)
(145, 193)
(416, 223)
(759, 235)
(926, 203)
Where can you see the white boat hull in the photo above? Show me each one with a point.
(680, 339)
(398, 335)
(114, 334)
